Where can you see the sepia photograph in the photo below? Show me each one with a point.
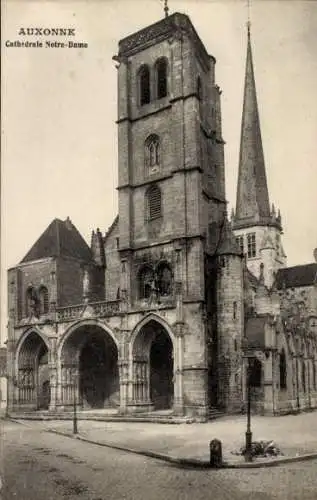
(158, 328)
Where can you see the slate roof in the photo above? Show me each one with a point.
(61, 238)
(255, 331)
(292, 277)
(3, 361)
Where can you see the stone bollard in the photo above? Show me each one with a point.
(215, 449)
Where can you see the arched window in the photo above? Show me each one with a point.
(144, 85)
(43, 300)
(152, 152)
(146, 282)
(161, 78)
(164, 279)
(283, 370)
(153, 198)
(30, 301)
(199, 89)
(255, 372)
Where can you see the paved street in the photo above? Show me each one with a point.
(293, 434)
(39, 465)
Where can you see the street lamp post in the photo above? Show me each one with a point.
(75, 426)
(248, 434)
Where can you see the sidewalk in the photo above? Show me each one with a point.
(295, 435)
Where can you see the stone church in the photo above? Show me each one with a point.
(175, 304)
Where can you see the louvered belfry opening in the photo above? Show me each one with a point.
(145, 85)
(154, 203)
(161, 78)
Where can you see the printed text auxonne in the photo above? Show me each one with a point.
(47, 31)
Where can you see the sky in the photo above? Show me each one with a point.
(59, 137)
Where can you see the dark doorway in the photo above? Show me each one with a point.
(99, 381)
(161, 371)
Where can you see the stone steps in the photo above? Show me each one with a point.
(214, 413)
(153, 418)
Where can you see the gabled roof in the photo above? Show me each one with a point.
(291, 277)
(61, 238)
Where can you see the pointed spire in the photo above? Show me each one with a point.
(252, 205)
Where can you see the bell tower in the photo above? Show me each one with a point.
(171, 162)
(171, 186)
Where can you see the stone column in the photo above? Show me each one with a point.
(268, 383)
(123, 365)
(11, 375)
(52, 364)
(130, 378)
(178, 370)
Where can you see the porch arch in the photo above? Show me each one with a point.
(88, 366)
(152, 351)
(32, 371)
(151, 317)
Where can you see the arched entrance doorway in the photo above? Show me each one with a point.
(89, 368)
(33, 373)
(153, 367)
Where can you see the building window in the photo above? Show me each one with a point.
(235, 345)
(277, 244)
(153, 198)
(43, 300)
(304, 376)
(255, 373)
(283, 370)
(164, 279)
(234, 310)
(199, 92)
(30, 301)
(152, 152)
(240, 243)
(251, 245)
(144, 85)
(314, 374)
(161, 78)
(146, 282)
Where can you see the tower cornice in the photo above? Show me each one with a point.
(164, 29)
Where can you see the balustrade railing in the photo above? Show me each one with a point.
(98, 309)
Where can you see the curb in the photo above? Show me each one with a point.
(192, 462)
(189, 462)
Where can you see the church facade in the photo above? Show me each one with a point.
(175, 307)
